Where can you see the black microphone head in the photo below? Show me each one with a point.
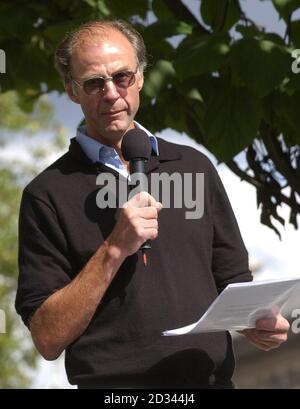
(136, 145)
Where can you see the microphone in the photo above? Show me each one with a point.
(136, 149)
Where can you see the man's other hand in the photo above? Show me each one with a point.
(269, 333)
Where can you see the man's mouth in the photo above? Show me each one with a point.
(112, 113)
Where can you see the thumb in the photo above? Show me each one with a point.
(159, 206)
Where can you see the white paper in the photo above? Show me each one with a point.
(241, 304)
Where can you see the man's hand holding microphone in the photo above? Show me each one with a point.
(137, 222)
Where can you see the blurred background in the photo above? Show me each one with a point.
(223, 78)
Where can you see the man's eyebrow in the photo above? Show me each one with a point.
(92, 76)
(123, 69)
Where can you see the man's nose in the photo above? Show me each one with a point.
(110, 91)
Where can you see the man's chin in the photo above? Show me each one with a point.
(114, 131)
(118, 126)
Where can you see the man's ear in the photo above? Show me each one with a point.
(70, 91)
(140, 80)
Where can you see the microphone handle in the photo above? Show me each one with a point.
(138, 166)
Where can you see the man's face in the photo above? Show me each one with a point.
(110, 113)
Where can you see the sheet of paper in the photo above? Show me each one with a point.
(241, 304)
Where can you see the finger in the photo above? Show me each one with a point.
(147, 213)
(271, 336)
(159, 206)
(250, 333)
(149, 234)
(255, 340)
(253, 335)
(150, 224)
(270, 344)
(142, 199)
(269, 339)
(274, 324)
(266, 346)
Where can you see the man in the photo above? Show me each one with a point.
(82, 287)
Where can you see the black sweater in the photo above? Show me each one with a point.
(61, 227)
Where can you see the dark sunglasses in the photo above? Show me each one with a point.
(122, 80)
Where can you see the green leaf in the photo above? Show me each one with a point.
(55, 32)
(248, 31)
(16, 23)
(221, 15)
(167, 28)
(259, 64)
(91, 3)
(127, 9)
(158, 50)
(163, 112)
(99, 5)
(161, 11)
(232, 120)
(287, 109)
(201, 55)
(281, 113)
(293, 84)
(199, 87)
(286, 7)
(295, 33)
(273, 37)
(269, 113)
(157, 78)
(174, 118)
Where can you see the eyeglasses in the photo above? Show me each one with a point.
(122, 80)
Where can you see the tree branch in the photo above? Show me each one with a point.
(243, 175)
(259, 185)
(280, 159)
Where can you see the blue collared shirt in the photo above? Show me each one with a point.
(97, 152)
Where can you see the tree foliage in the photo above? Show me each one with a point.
(225, 81)
(17, 356)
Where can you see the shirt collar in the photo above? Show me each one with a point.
(92, 148)
(153, 139)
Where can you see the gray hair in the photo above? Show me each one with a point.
(63, 53)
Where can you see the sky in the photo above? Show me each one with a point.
(269, 256)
